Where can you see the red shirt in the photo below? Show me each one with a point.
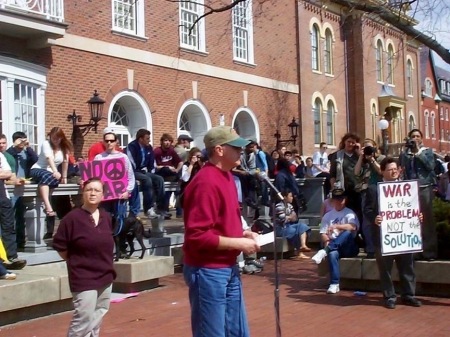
(211, 209)
(89, 249)
(166, 157)
(98, 148)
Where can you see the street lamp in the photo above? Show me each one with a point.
(96, 110)
(293, 129)
(383, 124)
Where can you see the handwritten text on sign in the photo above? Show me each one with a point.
(112, 172)
(399, 209)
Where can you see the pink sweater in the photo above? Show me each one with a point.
(211, 209)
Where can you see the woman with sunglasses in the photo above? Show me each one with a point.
(54, 155)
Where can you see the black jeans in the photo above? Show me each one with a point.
(8, 232)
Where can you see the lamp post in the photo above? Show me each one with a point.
(96, 110)
(383, 124)
(293, 129)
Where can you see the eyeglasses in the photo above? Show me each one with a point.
(109, 141)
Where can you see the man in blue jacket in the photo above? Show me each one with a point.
(142, 158)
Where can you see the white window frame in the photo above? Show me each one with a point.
(379, 60)
(317, 117)
(189, 12)
(409, 79)
(331, 109)
(428, 87)
(136, 28)
(446, 114)
(328, 52)
(390, 64)
(442, 85)
(15, 73)
(242, 19)
(315, 50)
(433, 125)
(426, 121)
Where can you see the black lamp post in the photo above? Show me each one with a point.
(293, 129)
(96, 110)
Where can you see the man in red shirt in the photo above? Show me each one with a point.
(214, 238)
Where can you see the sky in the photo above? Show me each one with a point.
(433, 16)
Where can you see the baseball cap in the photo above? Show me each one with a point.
(185, 137)
(338, 193)
(108, 130)
(221, 135)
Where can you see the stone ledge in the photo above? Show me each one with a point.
(432, 278)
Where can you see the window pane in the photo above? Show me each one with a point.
(242, 16)
(125, 15)
(315, 48)
(25, 111)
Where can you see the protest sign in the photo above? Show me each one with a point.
(112, 172)
(399, 209)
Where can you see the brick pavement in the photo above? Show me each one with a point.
(306, 310)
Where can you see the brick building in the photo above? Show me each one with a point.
(435, 93)
(255, 67)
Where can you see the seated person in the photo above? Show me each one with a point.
(289, 227)
(338, 231)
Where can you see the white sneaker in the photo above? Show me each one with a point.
(8, 276)
(333, 289)
(151, 213)
(319, 256)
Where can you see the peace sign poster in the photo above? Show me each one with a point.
(111, 171)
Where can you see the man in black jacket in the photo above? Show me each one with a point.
(404, 262)
(142, 158)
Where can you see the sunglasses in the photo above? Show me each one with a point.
(109, 141)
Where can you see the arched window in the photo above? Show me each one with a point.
(330, 123)
(390, 65)
(409, 81)
(119, 123)
(427, 124)
(433, 125)
(379, 60)
(315, 47)
(411, 123)
(317, 113)
(184, 123)
(328, 53)
(428, 87)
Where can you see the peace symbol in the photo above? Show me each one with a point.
(115, 169)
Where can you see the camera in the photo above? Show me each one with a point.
(369, 150)
(409, 143)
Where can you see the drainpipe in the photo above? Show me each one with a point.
(299, 82)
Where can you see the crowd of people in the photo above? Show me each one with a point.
(214, 182)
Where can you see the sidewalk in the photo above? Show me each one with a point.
(305, 310)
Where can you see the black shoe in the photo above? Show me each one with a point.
(48, 236)
(250, 203)
(15, 264)
(411, 301)
(255, 263)
(389, 303)
(167, 216)
(370, 256)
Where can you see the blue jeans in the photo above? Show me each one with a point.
(366, 227)
(217, 302)
(135, 201)
(343, 246)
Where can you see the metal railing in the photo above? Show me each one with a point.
(49, 9)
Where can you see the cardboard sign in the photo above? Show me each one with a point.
(112, 172)
(399, 208)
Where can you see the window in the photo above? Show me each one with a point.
(441, 113)
(379, 60)
(120, 122)
(184, 123)
(442, 135)
(128, 17)
(243, 32)
(442, 85)
(427, 124)
(411, 124)
(390, 65)
(433, 126)
(446, 114)
(317, 113)
(409, 81)
(428, 87)
(25, 111)
(192, 36)
(448, 88)
(315, 47)
(328, 56)
(330, 123)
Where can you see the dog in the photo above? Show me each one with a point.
(132, 227)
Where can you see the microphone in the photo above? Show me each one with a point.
(262, 176)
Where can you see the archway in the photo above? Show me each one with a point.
(194, 121)
(246, 124)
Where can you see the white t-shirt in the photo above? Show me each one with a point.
(4, 166)
(344, 216)
(47, 152)
(321, 160)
